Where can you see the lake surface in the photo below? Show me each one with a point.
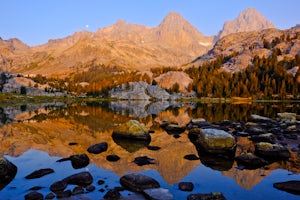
(36, 136)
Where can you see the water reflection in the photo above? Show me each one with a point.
(50, 128)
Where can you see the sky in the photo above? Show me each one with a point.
(36, 21)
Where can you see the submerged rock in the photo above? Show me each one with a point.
(191, 157)
(138, 182)
(211, 196)
(289, 186)
(271, 151)
(82, 179)
(213, 140)
(132, 130)
(112, 195)
(98, 148)
(7, 172)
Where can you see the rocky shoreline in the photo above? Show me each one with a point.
(217, 145)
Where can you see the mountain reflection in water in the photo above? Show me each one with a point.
(50, 129)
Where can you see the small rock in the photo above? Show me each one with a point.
(153, 148)
(258, 118)
(112, 158)
(158, 194)
(73, 143)
(58, 186)
(242, 134)
(34, 196)
(174, 129)
(186, 186)
(79, 161)
(143, 160)
(50, 196)
(191, 157)
(101, 182)
(112, 195)
(78, 190)
(63, 194)
(138, 182)
(98, 148)
(39, 173)
(90, 188)
(289, 186)
(82, 179)
(211, 196)
(267, 137)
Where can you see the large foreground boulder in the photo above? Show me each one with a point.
(132, 130)
(213, 140)
(138, 182)
(7, 172)
(289, 186)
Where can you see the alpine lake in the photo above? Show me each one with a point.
(36, 136)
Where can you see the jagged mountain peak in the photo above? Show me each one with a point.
(248, 20)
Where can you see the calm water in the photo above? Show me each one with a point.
(36, 136)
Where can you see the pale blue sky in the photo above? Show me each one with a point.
(37, 21)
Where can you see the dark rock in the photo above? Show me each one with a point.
(101, 190)
(291, 136)
(267, 137)
(101, 182)
(250, 161)
(50, 196)
(151, 131)
(58, 186)
(39, 173)
(252, 130)
(78, 190)
(143, 160)
(132, 130)
(242, 134)
(138, 182)
(289, 186)
(191, 157)
(211, 196)
(174, 129)
(176, 136)
(158, 194)
(82, 179)
(90, 188)
(271, 151)
(7, 172)
(63, 159)
(79, 161)
(153, 148)
(98, 148)
(35, 188)
(73, 143)
(112, 158)
(186, 186)
(112, 195)
(34, 196)
(63, 194)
